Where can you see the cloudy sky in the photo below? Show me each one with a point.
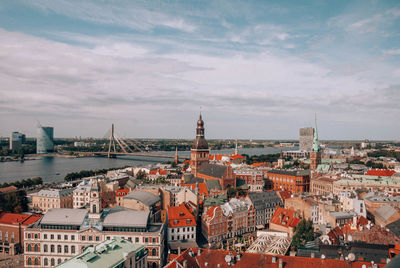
(258, 69)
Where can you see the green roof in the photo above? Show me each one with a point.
(107, 254)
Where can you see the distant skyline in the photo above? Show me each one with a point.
(258, 69)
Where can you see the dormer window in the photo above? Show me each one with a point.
(188, 221)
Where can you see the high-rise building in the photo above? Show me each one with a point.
(306, 138)
(44, 141)
(200, 153)
(16, 140)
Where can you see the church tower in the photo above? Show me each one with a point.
(95, 208)
(315, 155)
(200, 153)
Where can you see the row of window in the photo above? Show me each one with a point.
(184, 229)
(6, 236)
(183, 237)
(45, 261)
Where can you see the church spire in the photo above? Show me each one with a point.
(315, 147)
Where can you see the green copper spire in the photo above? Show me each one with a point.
(315, 147)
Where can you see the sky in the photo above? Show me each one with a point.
(256, 69)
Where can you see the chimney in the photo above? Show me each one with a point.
(280, 263)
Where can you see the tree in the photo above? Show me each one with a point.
(141, 175)
(303, 233)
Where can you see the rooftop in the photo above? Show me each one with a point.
(55, 193)
(180, 217)
(64, 216)
(110, 253)
(146, 198)
(16, 218)
(126, 218)
(290, 172)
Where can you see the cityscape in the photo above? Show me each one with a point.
(183, 134)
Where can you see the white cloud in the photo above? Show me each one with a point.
(392, 51)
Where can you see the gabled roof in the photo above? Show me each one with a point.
(213, 170)
(122, 192)
(385, 212)
(201, 186)
(213, 185)
(180, 217)
(285, 217)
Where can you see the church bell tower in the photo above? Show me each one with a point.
(200, 153)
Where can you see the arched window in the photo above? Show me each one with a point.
(52, 248)
(45, 248)
(29, 261)
(46, 262)
(65, 249)
(29, 247)
(58, 261)
(36, 261)
(36, 248)
(59, 248)
(72, 249)
(155, 265)
(53, 262)
(153, 252)
(94, 208)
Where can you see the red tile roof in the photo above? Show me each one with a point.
(259, 164)
(211, 258)
(202, 187)
(122, 192)
(8, 189)
(15, 218)
(285, 194)
(237, 156)
(180, 217)
(158, 172)
(216, 157)
(381, 172)
(285, 217)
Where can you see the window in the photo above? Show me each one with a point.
(36, 248)
(45, 248)
(36, 235)
(153, 252)
(97, 238)
(1, 235)
(53, 262)
(154, 240)
(36, 261)
(59, 249)
(59, 237)
(58, 261)
(65, 237)
(46, 262)
(52, 248)
(65, 249)
(90, 238)
(108, 238)
(52, 237)
(45, 236)
(29, 235)
(83, 238)
(72, 249)
(29, 261)
(29, 247)
(137, 239)
(72, 237)
(146, 240)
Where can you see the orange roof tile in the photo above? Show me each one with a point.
(237, 156)
(285, 217)
(15, 218)
(180, 217)
(381, 172)
(258, 164)
(212, 257)
(202, 187)
(122, 192)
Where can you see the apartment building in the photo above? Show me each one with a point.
(44, 200)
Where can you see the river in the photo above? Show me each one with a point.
(54, 169)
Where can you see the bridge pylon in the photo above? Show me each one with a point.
(112, 143)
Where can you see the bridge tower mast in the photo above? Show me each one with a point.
(112, 141)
